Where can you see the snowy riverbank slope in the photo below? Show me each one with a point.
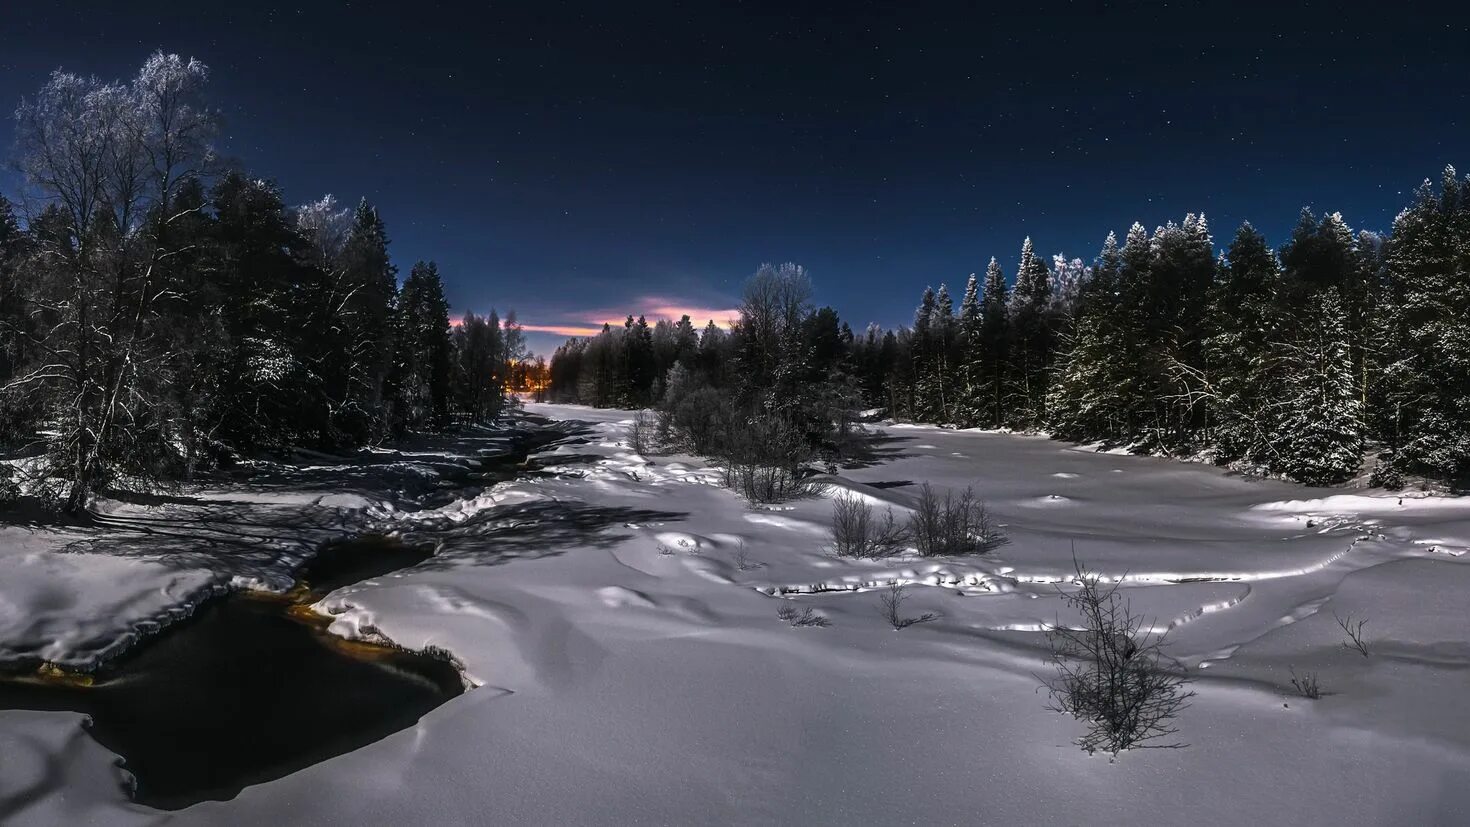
(619, 614)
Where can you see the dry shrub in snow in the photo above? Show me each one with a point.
(742, 559)
(1306, 684)
(806, 617)
(857, 531)
(1354, 632)
(953, 525)
(1105, 677)
(890, 605)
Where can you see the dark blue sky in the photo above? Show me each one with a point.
(574, 161)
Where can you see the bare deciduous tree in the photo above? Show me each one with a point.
(106, 164)
(1110, 672)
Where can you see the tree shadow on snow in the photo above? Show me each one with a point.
(532, 530)
(227, 539)
(871, 449)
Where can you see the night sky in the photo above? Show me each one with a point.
(576, 162)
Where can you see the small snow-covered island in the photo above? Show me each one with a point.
(296, 527)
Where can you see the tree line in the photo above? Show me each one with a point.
(1301, 361)
(162, 312)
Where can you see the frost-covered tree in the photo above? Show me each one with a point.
(1247, 328)
(1427, 396)
(988, 352)
(1320, 435)
(1091, 398)
(1033, 330)
(367, 315)
(1069, 278)
(109, 160)
(970, 402)
(934, 356)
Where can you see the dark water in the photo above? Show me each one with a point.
(246, 690)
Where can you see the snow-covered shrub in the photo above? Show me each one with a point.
(1107, 677)
(953, 524)
(857, 531)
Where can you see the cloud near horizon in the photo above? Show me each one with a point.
(653, 308)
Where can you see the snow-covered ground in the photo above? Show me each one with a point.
(618, 613)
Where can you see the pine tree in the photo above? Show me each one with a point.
(373, 282)
(1090, 400)
(17, 329)
(261, 385)
(1032, 328)
(969, 406)
(639, 359)
(1427, 394)
(934, 377)
(990, 353)
(478, 380)
(1320, 435)
(920, 406)
(1247, 331)
(424, 348)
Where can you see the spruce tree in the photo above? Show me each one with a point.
(921, 405)
(990, 355)
(1089, 399)
(1427, 398)
(372, 282)
(1320, 436)
(423, 361)
(969, 404)
(1032, 329)
(1246, 336)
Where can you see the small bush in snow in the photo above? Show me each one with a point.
(742, 559)
(1106, 678)
(1306, 684)
(953, 525)
(890, 605)
(763, 457)
(805, 617)
(1354, 630)
(859, 532)
(643, 437)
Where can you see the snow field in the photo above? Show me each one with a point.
(618, 614)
